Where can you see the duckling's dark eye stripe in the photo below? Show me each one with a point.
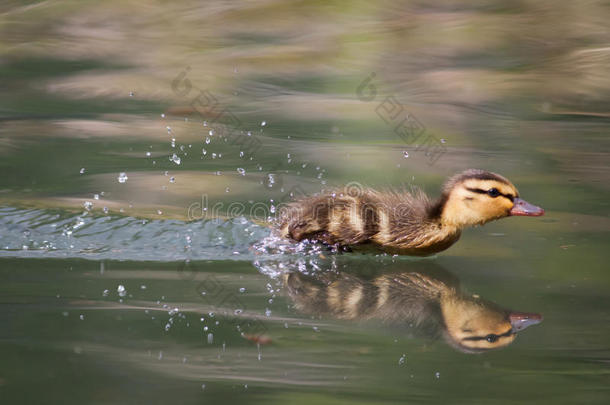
(507, 333)
(480, 191)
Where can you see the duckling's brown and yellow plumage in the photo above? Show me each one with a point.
(402, 222)
(436, 308)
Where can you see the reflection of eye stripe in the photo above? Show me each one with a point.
(479, 191)
(474, 338)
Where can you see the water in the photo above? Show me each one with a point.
(145, 150)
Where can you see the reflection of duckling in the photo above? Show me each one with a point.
(405, 223)
(467, 323)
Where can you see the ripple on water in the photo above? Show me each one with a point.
(36, 232)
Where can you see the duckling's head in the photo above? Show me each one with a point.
(475, 197)
(475, 325)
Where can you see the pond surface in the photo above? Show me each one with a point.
(147, 147)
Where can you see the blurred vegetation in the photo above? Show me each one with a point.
(521, 88)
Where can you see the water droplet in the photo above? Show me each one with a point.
(122, 177)
(176, 159)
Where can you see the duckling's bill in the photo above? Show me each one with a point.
(521, 320)
(523, 208)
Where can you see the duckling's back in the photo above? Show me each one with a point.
(332, 219)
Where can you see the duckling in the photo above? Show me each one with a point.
(434, 307)
(403, 222)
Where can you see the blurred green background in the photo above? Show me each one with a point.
(93, 89)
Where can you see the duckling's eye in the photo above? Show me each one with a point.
(491, 338)
(493, 192)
